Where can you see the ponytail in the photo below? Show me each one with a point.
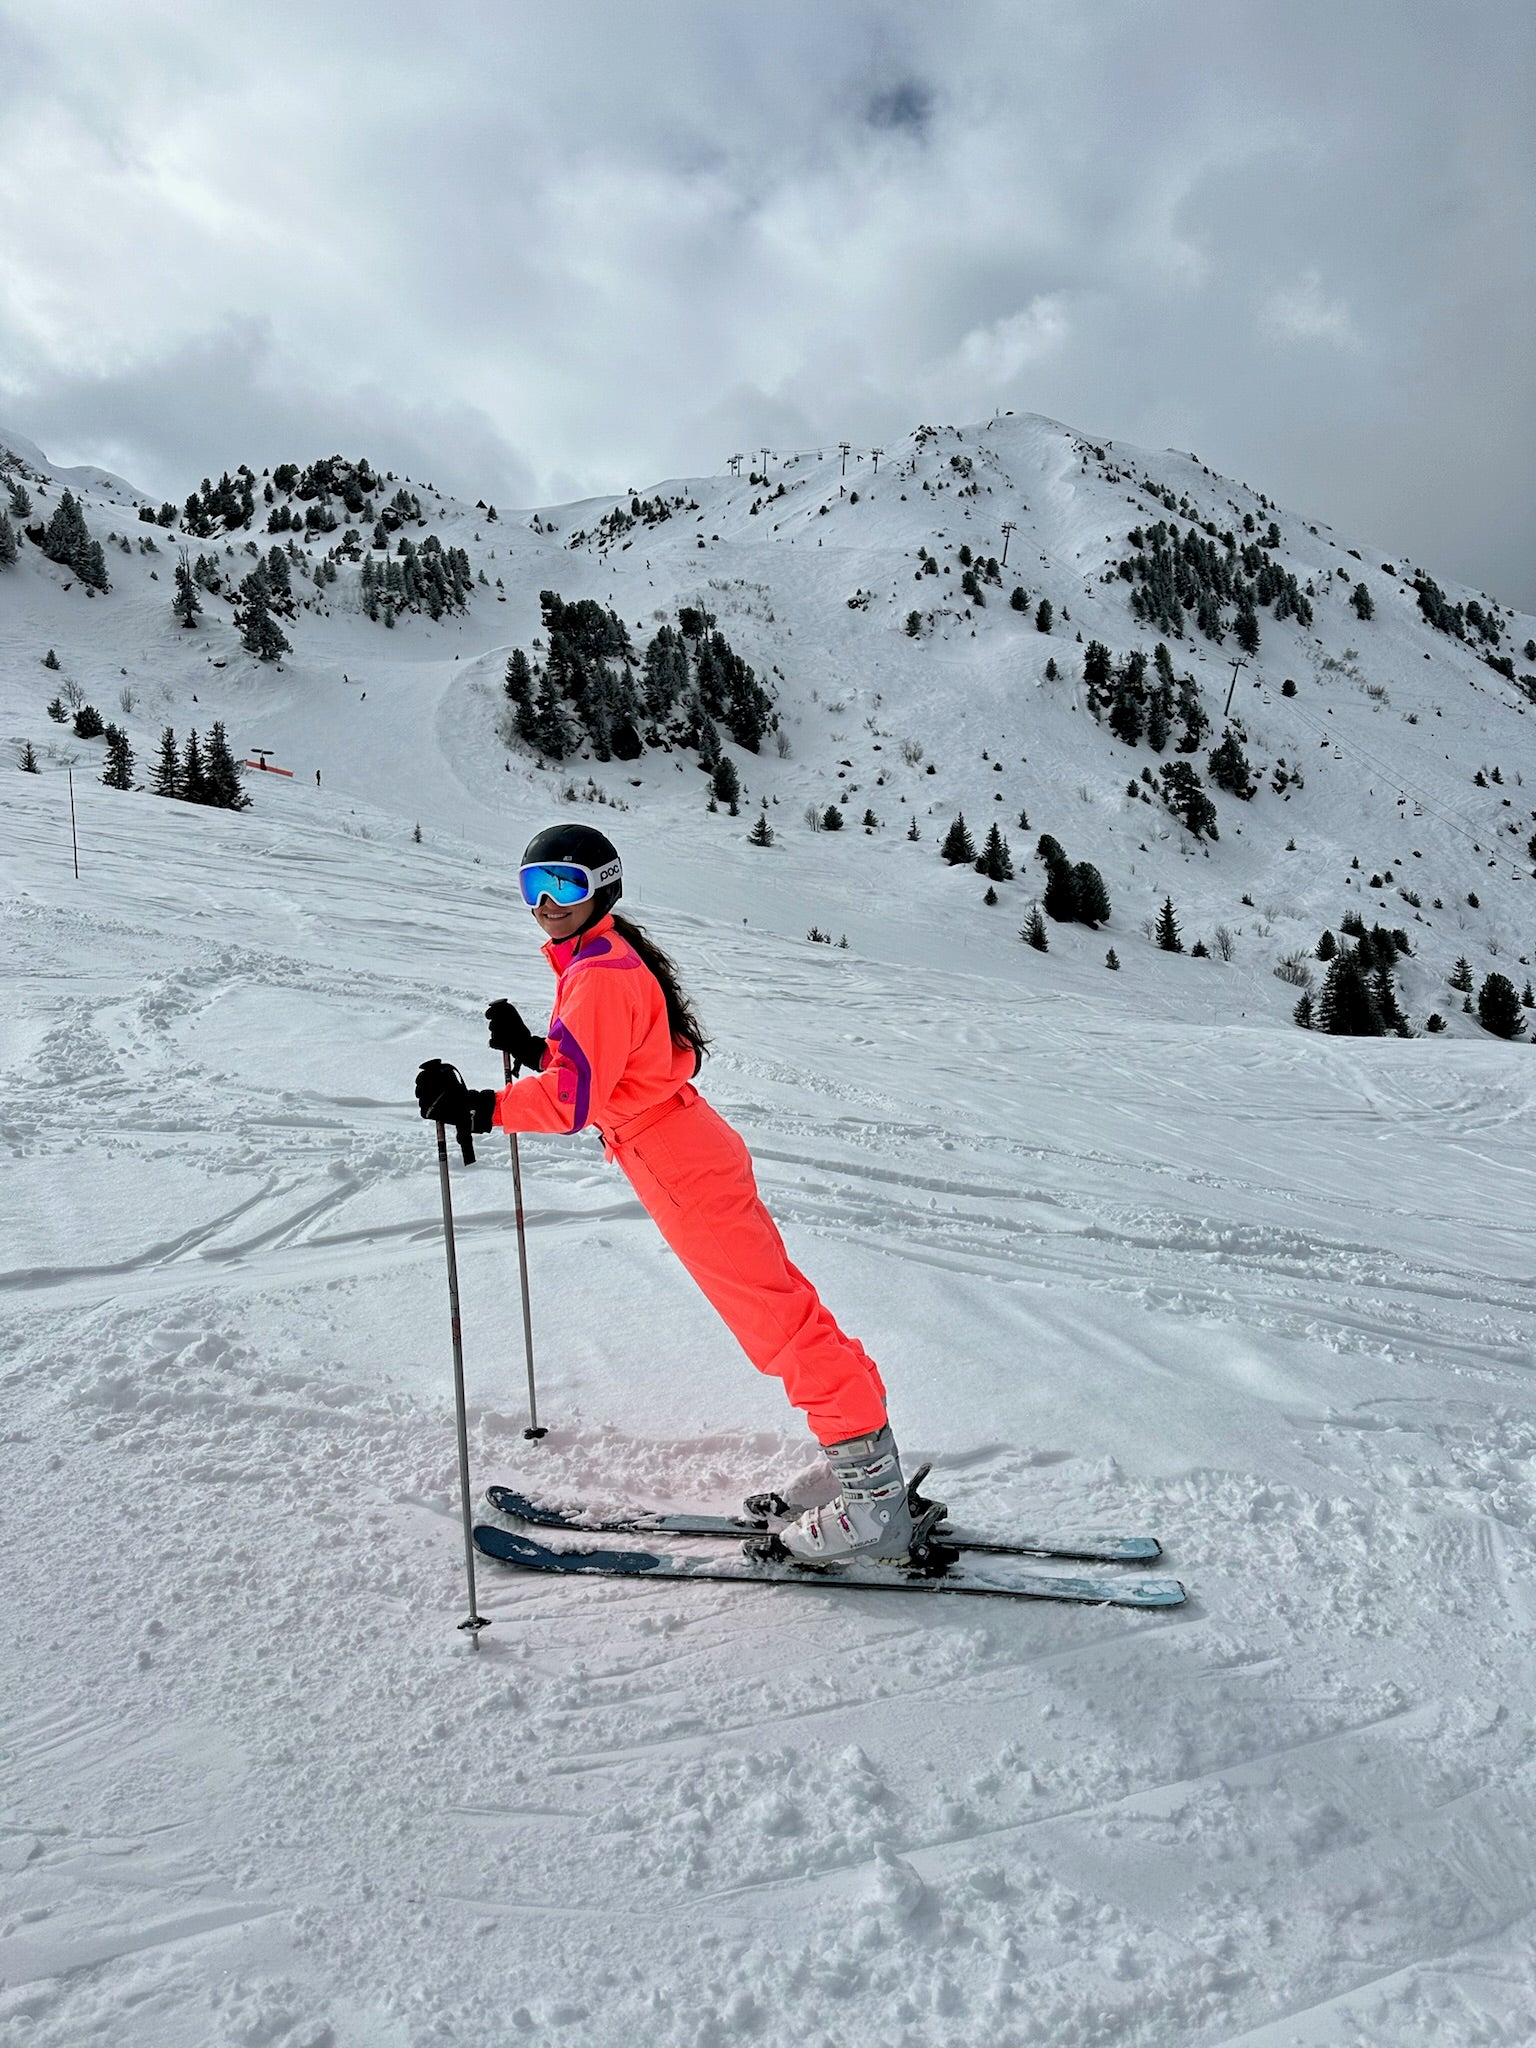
(681, 1020)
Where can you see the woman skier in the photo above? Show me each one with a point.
(622, 1048)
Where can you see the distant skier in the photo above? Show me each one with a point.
(622, 1048)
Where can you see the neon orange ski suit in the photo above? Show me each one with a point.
(612, 1065)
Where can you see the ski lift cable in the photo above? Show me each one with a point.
(1460, 824)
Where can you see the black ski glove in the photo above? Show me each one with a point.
(443, 1095)
(510, 1034)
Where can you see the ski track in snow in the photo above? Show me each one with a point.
(257, 1787)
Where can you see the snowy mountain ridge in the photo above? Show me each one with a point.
(1402, 754)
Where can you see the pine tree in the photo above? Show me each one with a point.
(10, 547)
(725, 782)
(519, 683)
(912, 831)
(56, 710)
(260, 634)
(119, 769)
(831, 819)
(995, 861)
(1112, 961)
(186, 604)
(1347, 1009)
(1498, 1007)
(1092, 896)
(1361, 600)
(67, 538)
(762, 832)
(1034, 933)
(1303, 1011)
(1228, 766)
(552, 734)
(1044, 616)
(1461, 976)
(88, 723)
(1327, 946)
(1384, 994)
(194, 788)
(914, 625)
(166, 779)
(1184, 794)
(1061, 891)
(958, 845)
(1167, 931)
(29, 759)
(221, 773)
(21, 501)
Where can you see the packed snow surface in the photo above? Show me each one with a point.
(1134, 1254)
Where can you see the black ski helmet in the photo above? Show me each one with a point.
(590, 849)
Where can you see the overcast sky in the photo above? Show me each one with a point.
(533, 251)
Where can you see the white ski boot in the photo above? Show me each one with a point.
(868, 1517)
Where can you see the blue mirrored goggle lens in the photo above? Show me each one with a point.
(564, 883)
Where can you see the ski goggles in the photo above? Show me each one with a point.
(564, 882)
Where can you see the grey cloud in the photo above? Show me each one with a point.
(602, 245)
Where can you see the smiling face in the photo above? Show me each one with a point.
(563, 921)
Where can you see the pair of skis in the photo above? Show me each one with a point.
(945, 1560)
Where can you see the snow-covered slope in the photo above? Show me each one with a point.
(1132, 1251)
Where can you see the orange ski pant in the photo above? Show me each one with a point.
(694, 1176)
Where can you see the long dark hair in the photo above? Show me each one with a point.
(681, 1020)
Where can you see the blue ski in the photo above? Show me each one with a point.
(946, 1571)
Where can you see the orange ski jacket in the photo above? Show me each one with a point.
(611, 1057)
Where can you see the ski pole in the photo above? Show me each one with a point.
(533, 1430)
(476, 1620)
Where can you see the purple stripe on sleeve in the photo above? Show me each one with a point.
(568, 1047)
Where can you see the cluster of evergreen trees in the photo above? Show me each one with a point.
(316, 518)
(616, 522)
(198, 773)
(995, 861)
(1138, 707)
(1461, 621)
(333, 476)
(224, 507)
(1359, 996)
(1498, 1007)
(591, 690)
(66, 539)
(1202, 572)
(1141, 706)
(431, 579)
